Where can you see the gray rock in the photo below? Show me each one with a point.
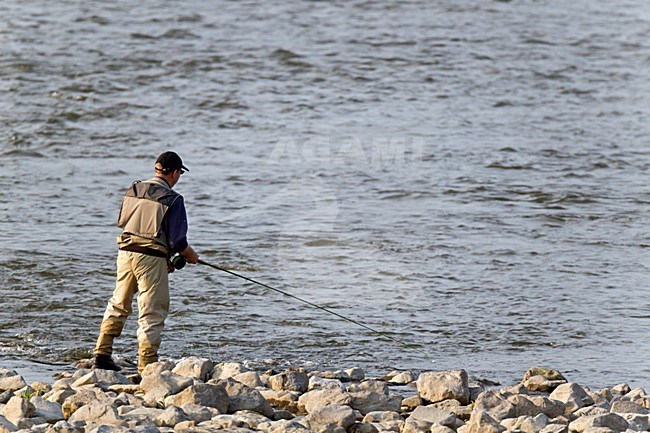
(625, 406)
(204, 394)
(311, 400)
(287, 426)
(373, 395)
(52, 412)
(102, 378)
(98, 412)
(433, 415)
(198, 413)
(170, 417)
(316, 382)
(381, 416)
(193, 366)
(415, 426)
(11, 381)
(293, 379)
(63, 427)
(363, 427)
(174, 383)
(156, 397)
(6, 396)
(572, 395)
(497, 406)
(244, 398)
(6, 425)
(324, 419)
(435, 386)
(249, 378)
(524, 406)
(637, 422)
(157, 368)
(287, 400)
(81, 398)
(403, 378)
(440, 429)
(225, 370)
(412, 402)
(281, 414)
(526, 424)
(555, 428)
(17, 409)
(482, 422)
(355, 373)
(611, 421)
(550, 408)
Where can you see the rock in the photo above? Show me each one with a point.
(433, 415)
(412, 402)
(293, 379)
(225, 370)
(6, 396)
(6, 425)
(11, 381)
(98, 412)
(355, 373)
(128, 389)
(611, 421)
(63, 427)
(102, 378)
(316, 382)
(620, 389)
(526, 424)
(572, 395)
(339, 375)
(403, 378)
(244, 398)
(16, 409)
(79, 399)
(482, 422)
(156, 397)
(546, 373)
(440, 429)
(287, 400)
(496, 405)
(249, 378)
(41, 388)
(157, 368)
(363, 427)
(555, 428)
(435, 386)
(198, 413)
(204, 394)
(174, 383)
(281, 414)
(381, 416)
(541, 384)
(637, 422)
(193, 366)
(326, 418)
(170, 417)
(372, 395)
(51, 411)
(550, 408)
(415, 426)
(311, 400)
(287, 426)
(625, 406)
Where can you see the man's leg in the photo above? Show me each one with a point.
(119, 306)
(153, 306)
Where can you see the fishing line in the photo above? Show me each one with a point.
(340, 316)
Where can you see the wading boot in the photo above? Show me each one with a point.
(105, 362)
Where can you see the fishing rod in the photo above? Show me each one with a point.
(179, 262)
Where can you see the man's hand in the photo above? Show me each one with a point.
(170, 267)
(190, 255)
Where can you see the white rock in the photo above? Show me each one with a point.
(249, 378)
(435, 386)
(293, 379)
(482, 422)
(381, 416)
(193, 366)
(198, 413)
(572, 395)
(225, 370)
(433, 415)
(174, 383)
(287, 400)
(103, 378)
(157, 368)
(11, 380)
(495, 404)
(526, 424)
(311, 400)
(170, 417)
(316, 382)
(403, 378)
(372, 396)
(244, 398)
(204, 394)
(98, 412)
(325, 418)
(17, 409)
(355, 373)
(611, 421)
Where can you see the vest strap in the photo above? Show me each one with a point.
(143, 250)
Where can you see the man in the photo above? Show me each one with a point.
(154, 227)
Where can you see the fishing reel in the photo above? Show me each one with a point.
(178, 262)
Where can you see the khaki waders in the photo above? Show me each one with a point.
(147, 275)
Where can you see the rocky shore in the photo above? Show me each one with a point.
(196, 395)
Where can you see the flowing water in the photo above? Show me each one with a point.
(469, 177)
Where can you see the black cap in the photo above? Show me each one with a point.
(170, 161)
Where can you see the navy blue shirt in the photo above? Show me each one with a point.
(175, 226)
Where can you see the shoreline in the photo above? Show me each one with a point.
(198, 395)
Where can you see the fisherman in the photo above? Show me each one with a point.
(154, 227)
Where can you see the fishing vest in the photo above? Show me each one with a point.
(142, 217)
